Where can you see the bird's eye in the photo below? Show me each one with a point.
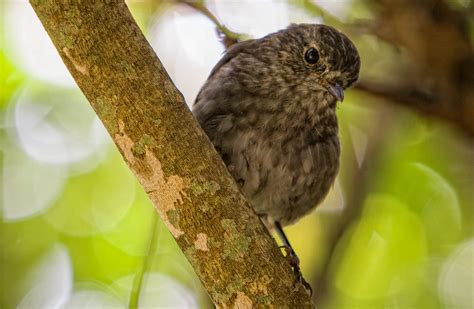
(311, 56)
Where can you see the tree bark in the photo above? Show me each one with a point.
(231, 251)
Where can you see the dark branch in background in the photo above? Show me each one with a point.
(404, 96)
(410, 97)
(437, 39)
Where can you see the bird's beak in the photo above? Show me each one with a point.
(337, 91)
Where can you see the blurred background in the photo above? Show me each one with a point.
(396, 230)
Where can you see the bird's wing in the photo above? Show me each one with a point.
(243, 47)
(233, 51)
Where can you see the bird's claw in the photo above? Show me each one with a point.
(294, 262)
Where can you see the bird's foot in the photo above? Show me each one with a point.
(294, 262)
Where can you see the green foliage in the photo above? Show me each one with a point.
(383, 252)
(83, 209)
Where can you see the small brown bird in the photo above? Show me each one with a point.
(269, 108)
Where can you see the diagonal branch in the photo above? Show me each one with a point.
(232, 253)
(228, 37)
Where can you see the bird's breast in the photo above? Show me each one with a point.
(286, 168)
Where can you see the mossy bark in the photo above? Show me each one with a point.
(236, 259)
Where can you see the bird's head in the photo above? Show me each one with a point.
(312, 57)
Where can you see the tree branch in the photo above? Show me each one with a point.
(234, 256)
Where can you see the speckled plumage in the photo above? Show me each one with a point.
(272, 119)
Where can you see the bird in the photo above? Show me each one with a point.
(269, 108)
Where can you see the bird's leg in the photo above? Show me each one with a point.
(291, 257)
